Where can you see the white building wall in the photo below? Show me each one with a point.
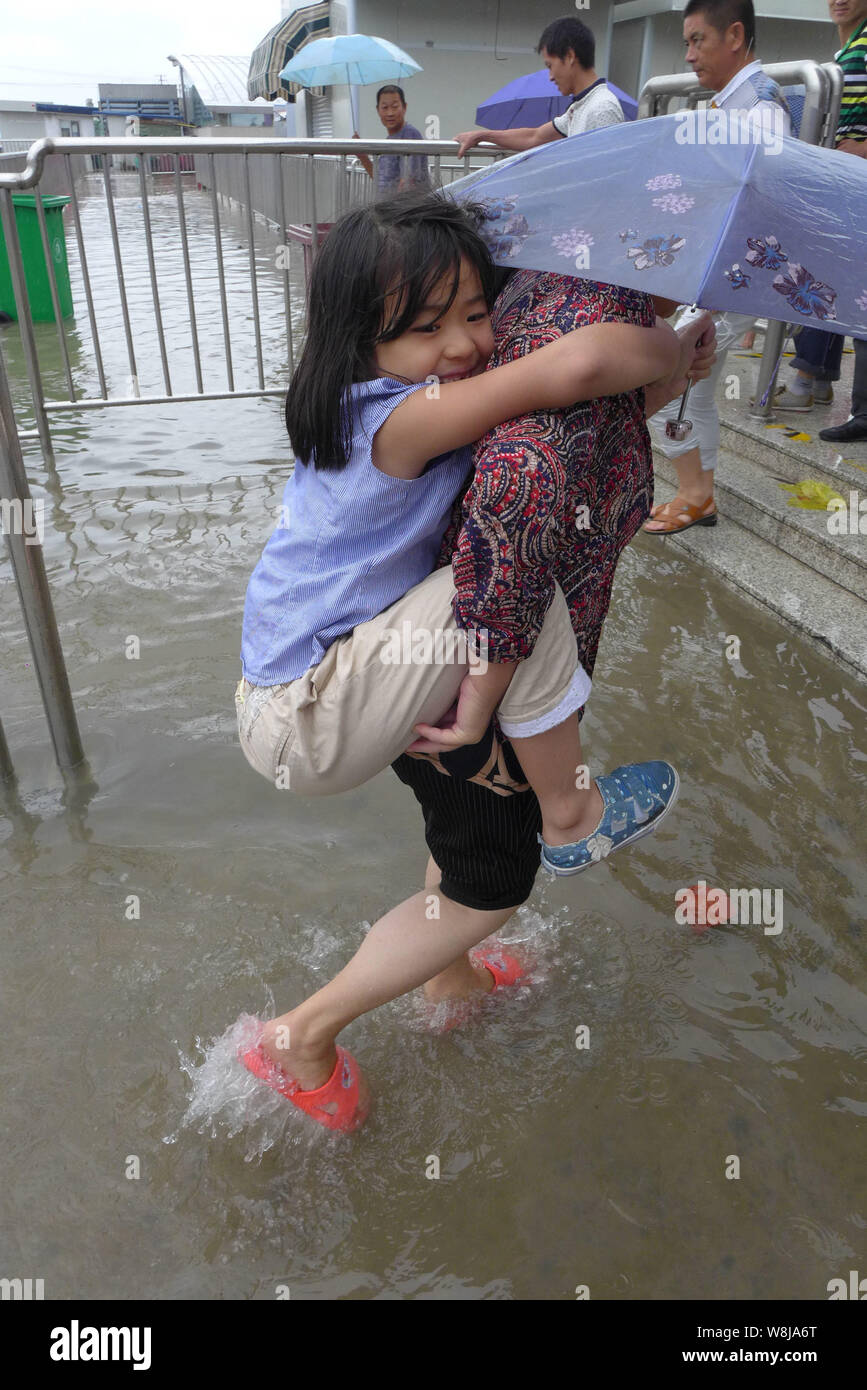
(467, 49)
(22, 125)
(626, 55)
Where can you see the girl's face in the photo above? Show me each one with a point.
(448, 345)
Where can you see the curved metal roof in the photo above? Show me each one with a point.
(220, 80)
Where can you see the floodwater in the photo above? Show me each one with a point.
(559, 1166)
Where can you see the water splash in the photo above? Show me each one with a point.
(227, 1100)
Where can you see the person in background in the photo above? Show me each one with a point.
(569, 52)
(720, 40)
(819, 354)
(397, 172)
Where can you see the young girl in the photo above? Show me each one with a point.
(349, 641)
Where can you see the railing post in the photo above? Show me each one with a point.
(7, 771)
(834, 74)
(772, 354)
(28, 567)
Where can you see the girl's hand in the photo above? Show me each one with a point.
(465, 722)
(598, 359)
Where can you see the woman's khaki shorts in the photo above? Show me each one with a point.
(348, 718)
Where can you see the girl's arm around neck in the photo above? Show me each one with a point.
(600, 359)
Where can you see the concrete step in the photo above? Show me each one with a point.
(787, 444)
(801, 598)
(748, 493)
(796, 459)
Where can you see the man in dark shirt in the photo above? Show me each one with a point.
(397, 172)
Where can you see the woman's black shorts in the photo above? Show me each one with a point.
(485, 844)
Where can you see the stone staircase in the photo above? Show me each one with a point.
(783, 557)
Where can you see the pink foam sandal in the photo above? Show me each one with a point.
(505, 970)
(336, 1104)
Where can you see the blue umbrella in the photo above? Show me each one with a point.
(533, 100)
(772, 228)
(354, 60)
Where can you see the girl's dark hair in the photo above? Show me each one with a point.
(372, 275)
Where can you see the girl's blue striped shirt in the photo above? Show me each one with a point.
(348, 544)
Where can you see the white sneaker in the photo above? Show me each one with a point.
(785, 399)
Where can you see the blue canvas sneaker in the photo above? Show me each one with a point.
(637, 797)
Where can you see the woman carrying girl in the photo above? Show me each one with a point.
(389, 394)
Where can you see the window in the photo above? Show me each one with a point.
(64, 131)
(75, 127)
(320, 117)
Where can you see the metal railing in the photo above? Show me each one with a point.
(299, 196)
(823, 90)
(312, 182)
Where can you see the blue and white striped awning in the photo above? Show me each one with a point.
(280, 45)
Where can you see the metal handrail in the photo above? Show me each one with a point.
(312, 153)
(813, 76)
(115, 144)
(834, 74)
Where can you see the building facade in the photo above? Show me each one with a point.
(469, 49)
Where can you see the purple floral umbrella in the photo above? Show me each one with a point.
(754, 222)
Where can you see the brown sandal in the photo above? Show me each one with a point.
(671, 513)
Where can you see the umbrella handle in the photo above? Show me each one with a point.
(680, 429)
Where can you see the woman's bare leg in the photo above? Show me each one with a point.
(404, 949)
(461, 979)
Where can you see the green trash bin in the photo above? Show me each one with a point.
(35, 269)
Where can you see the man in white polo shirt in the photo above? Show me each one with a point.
(720, 38)
(569, 51)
